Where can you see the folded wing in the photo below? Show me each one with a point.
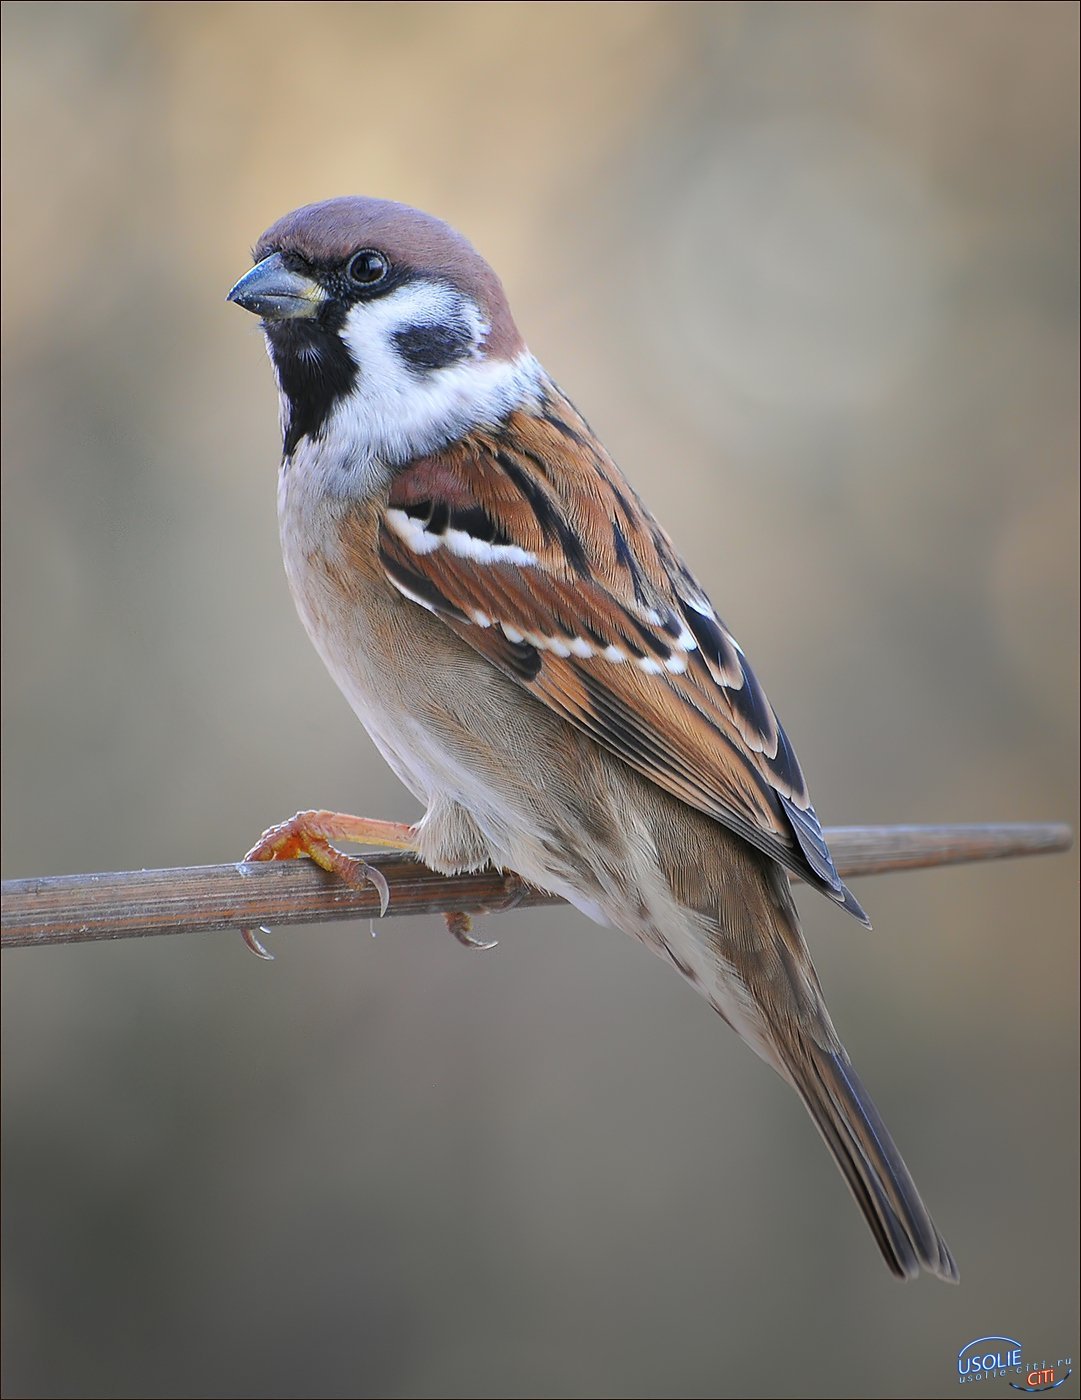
(533, 548)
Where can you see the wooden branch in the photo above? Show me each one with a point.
(138, 903)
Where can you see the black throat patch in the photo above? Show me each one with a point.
(315, 370)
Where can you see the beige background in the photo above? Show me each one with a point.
(811, 272)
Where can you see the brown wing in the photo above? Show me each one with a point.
(529, 544)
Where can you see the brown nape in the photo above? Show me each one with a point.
(329, 232)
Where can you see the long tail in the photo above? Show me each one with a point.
(853, 1130)
(723, 914)
(745, 952)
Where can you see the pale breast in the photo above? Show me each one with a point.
(455, 730)
(405, 675)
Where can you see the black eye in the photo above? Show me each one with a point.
(367, 267)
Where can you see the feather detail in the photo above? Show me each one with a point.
(532, 546)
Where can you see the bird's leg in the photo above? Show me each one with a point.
(309, 834)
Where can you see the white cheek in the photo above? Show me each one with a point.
(370, 328)
(396, 413)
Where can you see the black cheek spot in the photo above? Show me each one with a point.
(435, 346)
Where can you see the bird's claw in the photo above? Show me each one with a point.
(294, 838)
(252, 942)
(461, 925)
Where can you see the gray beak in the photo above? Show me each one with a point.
(276, 293)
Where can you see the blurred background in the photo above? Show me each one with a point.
(810, 270)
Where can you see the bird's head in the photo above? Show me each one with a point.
(389, 334)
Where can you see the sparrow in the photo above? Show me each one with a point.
(530, 654)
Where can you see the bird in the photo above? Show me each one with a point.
(534, 660)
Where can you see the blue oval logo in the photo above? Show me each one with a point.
(988, 1354)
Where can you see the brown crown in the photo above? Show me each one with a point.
(329, 232)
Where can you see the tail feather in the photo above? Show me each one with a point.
(735, 935)
(853, 1130)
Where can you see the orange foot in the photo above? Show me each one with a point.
(309, 834)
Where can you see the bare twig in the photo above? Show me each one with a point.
(138, 903)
